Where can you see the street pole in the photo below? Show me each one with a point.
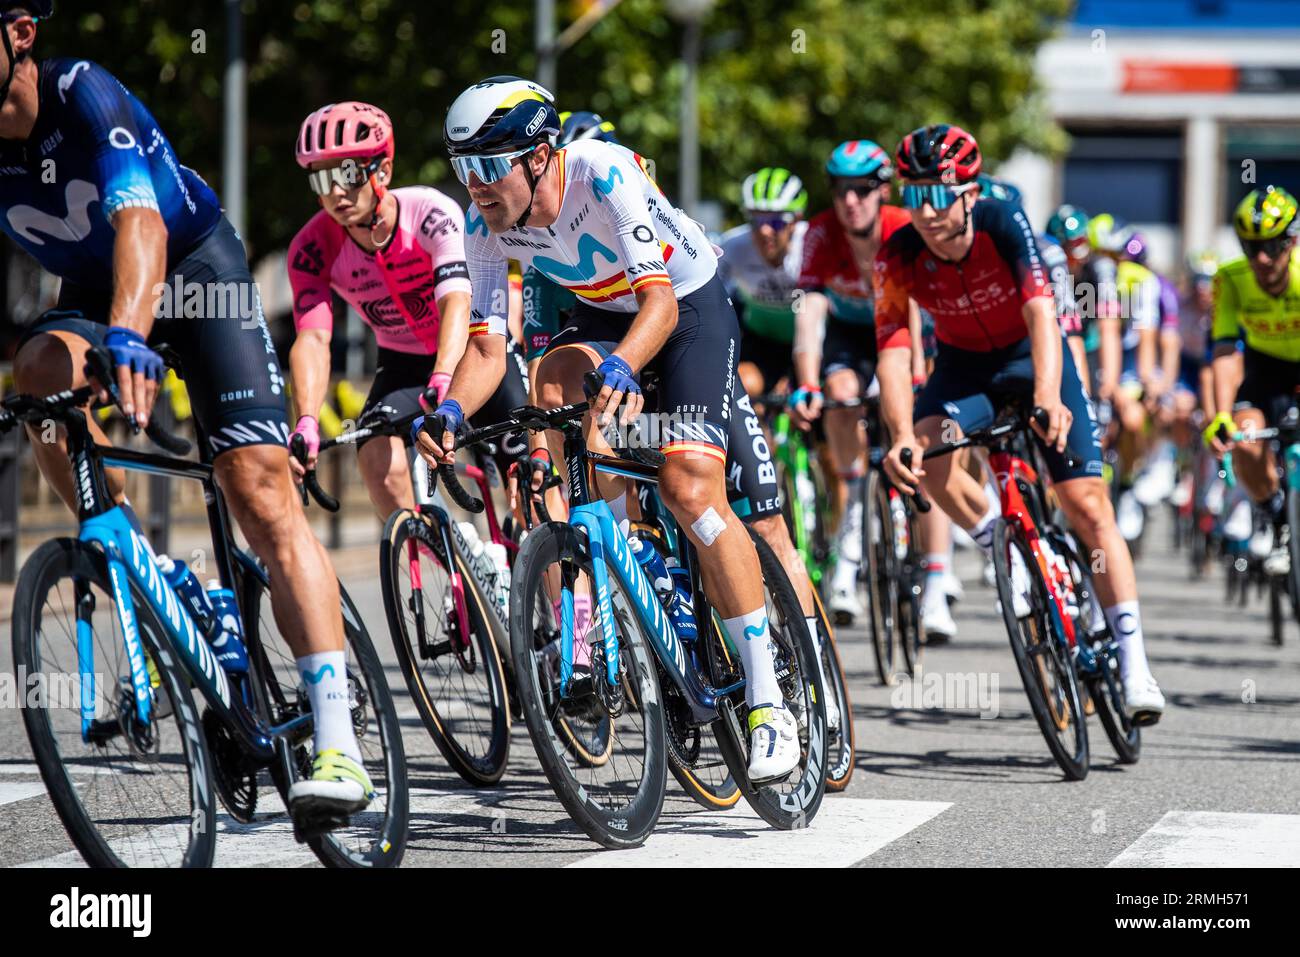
(544, 42)
(690, 144)
(234, 116)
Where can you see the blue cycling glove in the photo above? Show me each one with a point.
(128, 348)
(449, 413)
(618, 376)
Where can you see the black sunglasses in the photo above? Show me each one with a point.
(1272, 248)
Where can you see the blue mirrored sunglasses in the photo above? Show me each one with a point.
(937, 195)
(488, 169)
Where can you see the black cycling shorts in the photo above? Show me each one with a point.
(691, 371)
(969, 387)
(773, 359)
(211, 317)
(849, 345)
(1269, 384)
(402, 377)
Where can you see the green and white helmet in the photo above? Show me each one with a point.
(773, 189)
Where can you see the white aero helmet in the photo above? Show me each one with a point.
(500, 115)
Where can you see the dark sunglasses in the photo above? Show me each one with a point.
(1272, 248)
(860, 190)
(777, 221)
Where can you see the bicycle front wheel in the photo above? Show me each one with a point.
(129, 794)
(456, 681)
(1044, 664)
(882, 570)
(617, 801)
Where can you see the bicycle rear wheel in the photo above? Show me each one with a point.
(694, 755)
(1104, 685)
(616, 802)
(456, 681)
(376, 836)
(132, 795)
(793, 802)
(1044, 664)
(840, 741)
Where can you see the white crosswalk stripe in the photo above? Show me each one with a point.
(1216, 839)
(19, 791)
(268, 841)
(845, 831)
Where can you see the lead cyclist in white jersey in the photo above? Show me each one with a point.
(590, 218)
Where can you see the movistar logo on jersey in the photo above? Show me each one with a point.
(77, 195)
(603, 187)
(474, 222)
(588, 248)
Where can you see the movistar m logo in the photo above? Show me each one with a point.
(588, 248)
(756, 631)
(474, 223)
(603, 187)
(316, 677)
(78, 195)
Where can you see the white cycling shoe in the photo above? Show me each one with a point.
(953, 589)
(1020, 586)
(1143, 701)
(1278, 561)
(773, 743)
(1129, 516)
(846, 607)
(1156, 483)
(935, 613)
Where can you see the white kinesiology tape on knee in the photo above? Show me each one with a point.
(708, 526)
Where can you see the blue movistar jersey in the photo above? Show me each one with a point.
(95, 149)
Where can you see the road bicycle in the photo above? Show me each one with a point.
(1064, 637)
(1283, 589)
(131, 766)
(642, 674)
(445, 612)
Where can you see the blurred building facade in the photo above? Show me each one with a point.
(1176, 109)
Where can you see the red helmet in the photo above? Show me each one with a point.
(339, 131)
(946, 153)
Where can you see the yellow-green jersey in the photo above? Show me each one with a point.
(1269, 324)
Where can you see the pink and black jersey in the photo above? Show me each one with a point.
(976, 303)
(395, 289)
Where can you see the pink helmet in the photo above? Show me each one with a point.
(341, 131)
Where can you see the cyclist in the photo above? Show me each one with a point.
(1158, 357)
(833, 344)
(590, 217)
(760, 266)
(396, 256)
(1258, 295)
(975, 267)
(756, 498)
(155, 225)
(1127, 298)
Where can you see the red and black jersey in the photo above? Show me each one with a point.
(829, 267)
(976, 302)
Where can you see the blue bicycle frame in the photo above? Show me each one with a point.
(131, 558)
(606, 540)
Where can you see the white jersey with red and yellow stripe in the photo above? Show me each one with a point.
(616, 233)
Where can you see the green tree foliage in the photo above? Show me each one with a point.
(781, 82)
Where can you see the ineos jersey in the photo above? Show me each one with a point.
(95, 149)
(616, 233)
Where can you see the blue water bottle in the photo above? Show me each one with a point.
(652, 562)
(682, 612)
(229, 642)
(182, 580)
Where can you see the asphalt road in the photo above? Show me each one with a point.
(937, 782)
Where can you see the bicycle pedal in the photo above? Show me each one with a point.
(1145, 719)
(307, 827)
